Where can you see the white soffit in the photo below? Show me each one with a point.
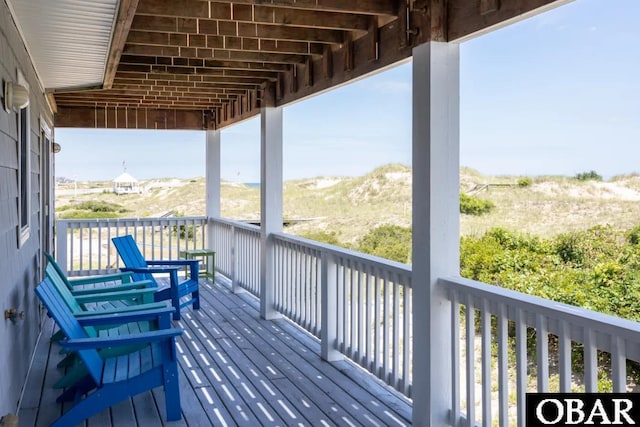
(68, 40)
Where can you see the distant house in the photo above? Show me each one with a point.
(126, 184)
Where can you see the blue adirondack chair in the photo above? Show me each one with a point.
(144, 269)
(113, 379)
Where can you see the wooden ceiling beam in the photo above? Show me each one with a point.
(207, 9)
(215, 27)
(211, 77)
(124, 19)
(269, 15)
(153, 55)
(132, 118)
(366, 7)
(210, 67)
(218, 82)
(204, 45)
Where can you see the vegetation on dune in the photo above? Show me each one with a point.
(92, 209)
(588, 176)
(472, 205)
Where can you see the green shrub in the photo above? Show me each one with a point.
(633, 235)
(387, 241)
(589, 176)
(524, 182)
(330, 238)
(471, 205)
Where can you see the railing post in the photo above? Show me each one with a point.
(235, 286)
(329, 308)
(61, 244)
(436, 227)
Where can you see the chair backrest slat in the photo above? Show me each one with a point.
(131, 256)
(67, 296)
(70, 327)
(58, 269)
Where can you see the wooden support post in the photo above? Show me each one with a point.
(436, 229)
(270, 204)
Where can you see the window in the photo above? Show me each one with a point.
(24, 170)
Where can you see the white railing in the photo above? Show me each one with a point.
(237, 246)
(361, 307)
(84, 246)
(493, 330)
(368, 300)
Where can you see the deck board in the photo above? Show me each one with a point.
(236, 370)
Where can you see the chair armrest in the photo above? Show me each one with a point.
(166, 269)
(193, 264)
(114, 295)
(142, 284)
(123, 340)
(173, 262)
(121, 310)
(97, 319)
(122, 276)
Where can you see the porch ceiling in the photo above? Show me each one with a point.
(205, 64)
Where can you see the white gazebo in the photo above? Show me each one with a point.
(126, 184)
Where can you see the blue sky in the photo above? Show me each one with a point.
(557, 94)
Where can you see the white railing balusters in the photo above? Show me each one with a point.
(618, 364)
(456, 358)
(542, 353)
(470, 335)
(387, 343)
(395, 352)
(564, 357)
(521, 364)
(485, 319)
(590, 362)
(503, 366)
(84, 247)
(370, 314)
(600, 335)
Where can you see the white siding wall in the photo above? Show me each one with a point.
(18, 267)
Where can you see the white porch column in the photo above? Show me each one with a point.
(436, 228)
(212, 181)
(270, 203)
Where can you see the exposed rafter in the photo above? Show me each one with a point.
(209, 63)
(126, 13)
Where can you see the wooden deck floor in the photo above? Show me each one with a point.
(236, 369)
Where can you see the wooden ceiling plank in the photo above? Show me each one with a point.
(144, 38)
(121, 29)
(305, 18)
(174, 8)
(366, 7)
